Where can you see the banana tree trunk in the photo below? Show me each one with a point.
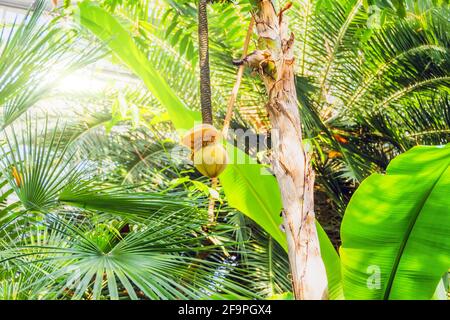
(291, 164)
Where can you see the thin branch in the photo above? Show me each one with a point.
(234, 92)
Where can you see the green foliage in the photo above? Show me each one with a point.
(76, 259)
(368, 93)
(120, 201)
(104, 209)
(254, 191)
(37, 166)
(247, 186)
(108, 29)
(396, 229)
(33, 58)
(88, 240)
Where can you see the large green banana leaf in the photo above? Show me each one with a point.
(253, 190)
(396, 230)
(247, 184)
(108, 29)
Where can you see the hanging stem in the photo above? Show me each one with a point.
(234, 92)
(205, 85)
(205, 81)
(211, 215)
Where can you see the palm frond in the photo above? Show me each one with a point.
(151, 262)
(37, 165)
(34, 55)
(122, 200)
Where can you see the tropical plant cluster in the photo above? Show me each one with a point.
(99, 200)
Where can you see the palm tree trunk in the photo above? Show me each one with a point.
(205, 82)
(291, 163)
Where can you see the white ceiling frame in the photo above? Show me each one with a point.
(24, 5)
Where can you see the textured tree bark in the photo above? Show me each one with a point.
(205, 82)
(291, 164)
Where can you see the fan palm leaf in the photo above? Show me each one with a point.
(152, 262)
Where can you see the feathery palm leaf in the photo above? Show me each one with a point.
(34, 55)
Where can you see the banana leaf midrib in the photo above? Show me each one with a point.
(405, 239)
